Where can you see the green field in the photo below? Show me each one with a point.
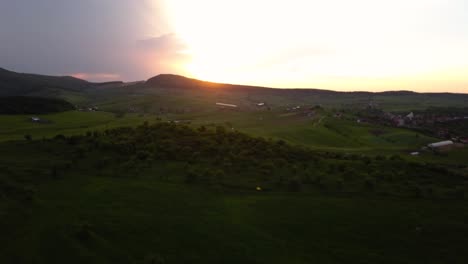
(84, 215)
(14, 127)
(322, 132)
(133, 219)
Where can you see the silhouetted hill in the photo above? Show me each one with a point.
(178, 81)
(187, 92)
(12, 105)
(13, 83)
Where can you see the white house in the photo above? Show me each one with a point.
(410, 116)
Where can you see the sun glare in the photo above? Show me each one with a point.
(332, 44)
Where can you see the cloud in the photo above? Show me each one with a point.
(167, 47)
(96, 77)
(90, 37)
(166, 53)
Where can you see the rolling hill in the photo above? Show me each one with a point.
(32, 105)
(186, 92)
(22, 84)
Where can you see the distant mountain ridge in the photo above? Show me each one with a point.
(179, 81)
(190, 92)
(20, 84)
(13, 105)
(14, 83)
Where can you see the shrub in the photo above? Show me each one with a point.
(369, 184)
(83, 232)
(459, 192)
(154, 259)
(294, 184)
(191, 176)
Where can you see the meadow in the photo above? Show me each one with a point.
(15, 127)
(74, 200)
(323, 132)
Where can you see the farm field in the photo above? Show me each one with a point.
(15, 127)
(322, 132)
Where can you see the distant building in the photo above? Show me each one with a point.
(226, 105)
(261, 104)
(35, 119)
(440, 144)
(410, 116)
(414, 153)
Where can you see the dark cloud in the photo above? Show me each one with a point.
(87, 36)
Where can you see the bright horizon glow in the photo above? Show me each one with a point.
(342, 45)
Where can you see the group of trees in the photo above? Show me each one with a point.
(13, 105)
(219, 157)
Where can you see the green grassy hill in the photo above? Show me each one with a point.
(156, 194)
(21, 84)
(13, 105)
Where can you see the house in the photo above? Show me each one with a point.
(35, 119)
(410, 116)
(440, 144)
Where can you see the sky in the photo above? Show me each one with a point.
(371, 45)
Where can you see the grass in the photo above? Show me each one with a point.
(321, 132)
(131, 219)
(87, 215)
(67, 123)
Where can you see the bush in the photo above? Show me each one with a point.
(294, 184)
(191, 176)
(416, 191)
(339, 183)
(83, 232)
(459, 192)
(369, 184)
(154, 259)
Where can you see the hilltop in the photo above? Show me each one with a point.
(13, 105)
(191, 90)
(13, 83)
